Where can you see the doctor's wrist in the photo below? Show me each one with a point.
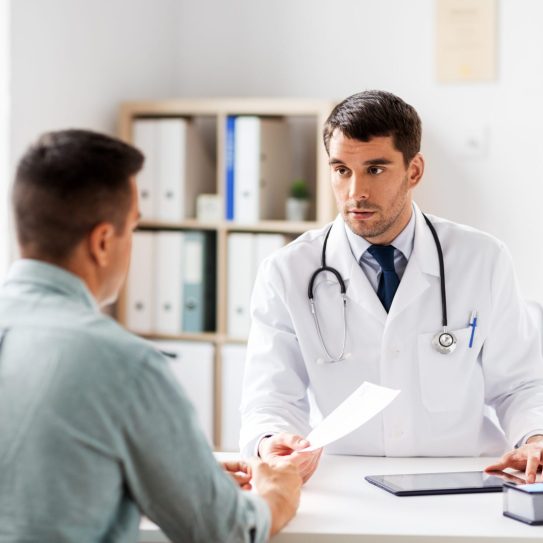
(532, 439)
(260, 441)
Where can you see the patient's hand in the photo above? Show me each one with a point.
(239, 471)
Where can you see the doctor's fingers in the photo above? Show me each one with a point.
(282, 445)
(532, 465)
(514, 459)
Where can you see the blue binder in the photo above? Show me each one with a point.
(230, 156)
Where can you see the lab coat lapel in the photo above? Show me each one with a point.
(423, 262)
(359, 289)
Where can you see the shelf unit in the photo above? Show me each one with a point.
(218, 109)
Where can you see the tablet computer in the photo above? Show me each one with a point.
(421, 484)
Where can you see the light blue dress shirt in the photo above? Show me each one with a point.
(94, 429)
(403, 247)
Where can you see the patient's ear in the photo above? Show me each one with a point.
(101, 243)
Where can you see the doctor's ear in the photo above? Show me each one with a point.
(415, 170)
(100, 242)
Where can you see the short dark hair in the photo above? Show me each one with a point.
(68, 182)
(375, 113)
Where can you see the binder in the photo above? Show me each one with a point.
(247, 169)
(233, 362)
(169, 282)
(245, 254)
(185, 169)
(241, 275)
(146, 140)
(172, 141)
(230, 154)
(262, 169)
(192, 366)
(199, 280)
(140, 284)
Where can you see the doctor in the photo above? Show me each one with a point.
(451, 331)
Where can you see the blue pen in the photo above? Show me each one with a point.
(473, 324)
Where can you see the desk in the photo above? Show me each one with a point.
(338, 506)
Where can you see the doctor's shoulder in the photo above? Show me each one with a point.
(463, 240)
(305, 250)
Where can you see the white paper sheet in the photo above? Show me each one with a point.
(362, 405)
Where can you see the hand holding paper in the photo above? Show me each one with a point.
(362, 405)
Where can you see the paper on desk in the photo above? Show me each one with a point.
(362, 405)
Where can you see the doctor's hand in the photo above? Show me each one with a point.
(285, 446)
(239, 471)
(528, 457)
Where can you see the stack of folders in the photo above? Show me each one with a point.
(245, 254)
(192, 365)
(171, 282)
(232, 365)
(523, 502)
(177, 168)
(258, 168)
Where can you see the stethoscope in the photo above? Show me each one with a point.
(444, 342)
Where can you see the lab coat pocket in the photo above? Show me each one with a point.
(444, 378)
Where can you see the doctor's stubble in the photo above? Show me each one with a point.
(388, 218)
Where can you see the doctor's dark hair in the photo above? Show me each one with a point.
(375, 113)
(66, 183)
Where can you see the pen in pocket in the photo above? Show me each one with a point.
(473, 324)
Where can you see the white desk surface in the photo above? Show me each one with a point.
(338, 506)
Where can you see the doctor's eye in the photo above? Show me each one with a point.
(375, 170)
(342, 171)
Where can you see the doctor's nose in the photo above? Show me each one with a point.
(358, 189)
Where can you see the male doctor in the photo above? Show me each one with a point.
(383, 249)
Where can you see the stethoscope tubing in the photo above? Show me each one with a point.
(325, 268)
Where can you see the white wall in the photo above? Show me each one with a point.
(73, 62)
(333, 49)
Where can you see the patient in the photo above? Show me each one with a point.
(94, 430)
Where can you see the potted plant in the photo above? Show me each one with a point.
(298, 201)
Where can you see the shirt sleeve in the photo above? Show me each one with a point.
(512, 358)
(275, 383)
(171, 472)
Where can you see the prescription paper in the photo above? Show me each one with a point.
(362, 405)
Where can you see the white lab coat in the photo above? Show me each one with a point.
(443, 407)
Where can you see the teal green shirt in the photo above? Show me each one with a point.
(94, 429)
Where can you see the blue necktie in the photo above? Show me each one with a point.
(388, 284)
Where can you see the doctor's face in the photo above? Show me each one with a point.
(372, 185)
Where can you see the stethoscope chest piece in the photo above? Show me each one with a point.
(444, 342)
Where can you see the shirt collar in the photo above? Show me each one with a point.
(403, 242)
(52, 277)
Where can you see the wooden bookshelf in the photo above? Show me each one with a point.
(218, 109)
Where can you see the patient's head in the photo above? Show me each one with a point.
(75, 203)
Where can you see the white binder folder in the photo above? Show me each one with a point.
(240, 281)
(146, 140)
(172, 161)
(245, 254)
(262, 169)
(233, 362)
(169, 283)
(193, 368)
(140, 284)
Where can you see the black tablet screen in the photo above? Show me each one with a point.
(438, 483)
